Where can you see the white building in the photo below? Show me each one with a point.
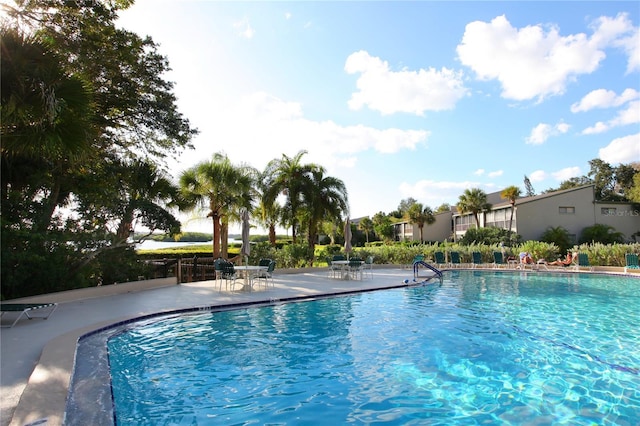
(572, 209)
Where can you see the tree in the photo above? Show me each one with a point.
(473, 201)
(383, 226)
(289, 177)
(558, 236)
(634, 192)
(403, 208)
(366, 226)
(444, 207)
(78, 96)
(573, 182)
(511, 193)
(420, 216)
(625, 175)
(269, 212)
(325, 198)
(603, 177)
(218, 187)
(528, 187)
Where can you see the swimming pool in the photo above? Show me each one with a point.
(483, 347)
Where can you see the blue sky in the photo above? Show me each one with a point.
(406, 99)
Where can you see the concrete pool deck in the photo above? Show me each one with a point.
(37, 357)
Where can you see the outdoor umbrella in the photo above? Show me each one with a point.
(347, 237)
(246, 249)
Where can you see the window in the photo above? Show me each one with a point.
(608, 211)
(567, 210)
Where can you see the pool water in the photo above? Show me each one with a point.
(482, 348)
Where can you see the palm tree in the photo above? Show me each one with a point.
(289, 177)
(325, 198)
(473, 201)
(143, 192)
(366, 226)
(47, 124)
(419, 216)
(220, 187)
(511, 193)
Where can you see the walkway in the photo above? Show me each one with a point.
(36, 357)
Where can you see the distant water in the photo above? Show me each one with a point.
(155, 245)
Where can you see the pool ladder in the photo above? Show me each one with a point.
(416, 267)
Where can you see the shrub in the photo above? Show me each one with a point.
(600, 233)
(488, 236)
(558, 236)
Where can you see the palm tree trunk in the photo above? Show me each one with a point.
(272, 234)
(511, 223)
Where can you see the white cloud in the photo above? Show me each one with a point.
(629, 115)
(599, 127)
(602, 98)
(244, 28)
(620, 32)
(287, 15)
(414, 92)
(479, 172)
(538, 176)
(543, 131)
(566, 173)
(248, 131)
(622, 150)
(536, 61)
(496, 173)
(434, 193)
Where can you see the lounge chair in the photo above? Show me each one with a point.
(25, 309)
(440, 261)
(498, 260)
(583, 262)
(631, 262)
(416, 258)
(476, 258)
(454, 256)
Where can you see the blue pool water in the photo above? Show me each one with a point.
(482, 348)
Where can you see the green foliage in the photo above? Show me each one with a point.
(558, 236)
(473, 201)
(488, 236)
(600, 233)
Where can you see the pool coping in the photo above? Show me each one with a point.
(48, 385)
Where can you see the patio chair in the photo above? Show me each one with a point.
(631, 260)
(25, 309)
(335, 270)
(217, 266)
(454, 256)
(368, 265)
(439, 259)
(355, 267)
(227, 274)
(476, 258)
(268, 274)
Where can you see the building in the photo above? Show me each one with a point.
(572, 209)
